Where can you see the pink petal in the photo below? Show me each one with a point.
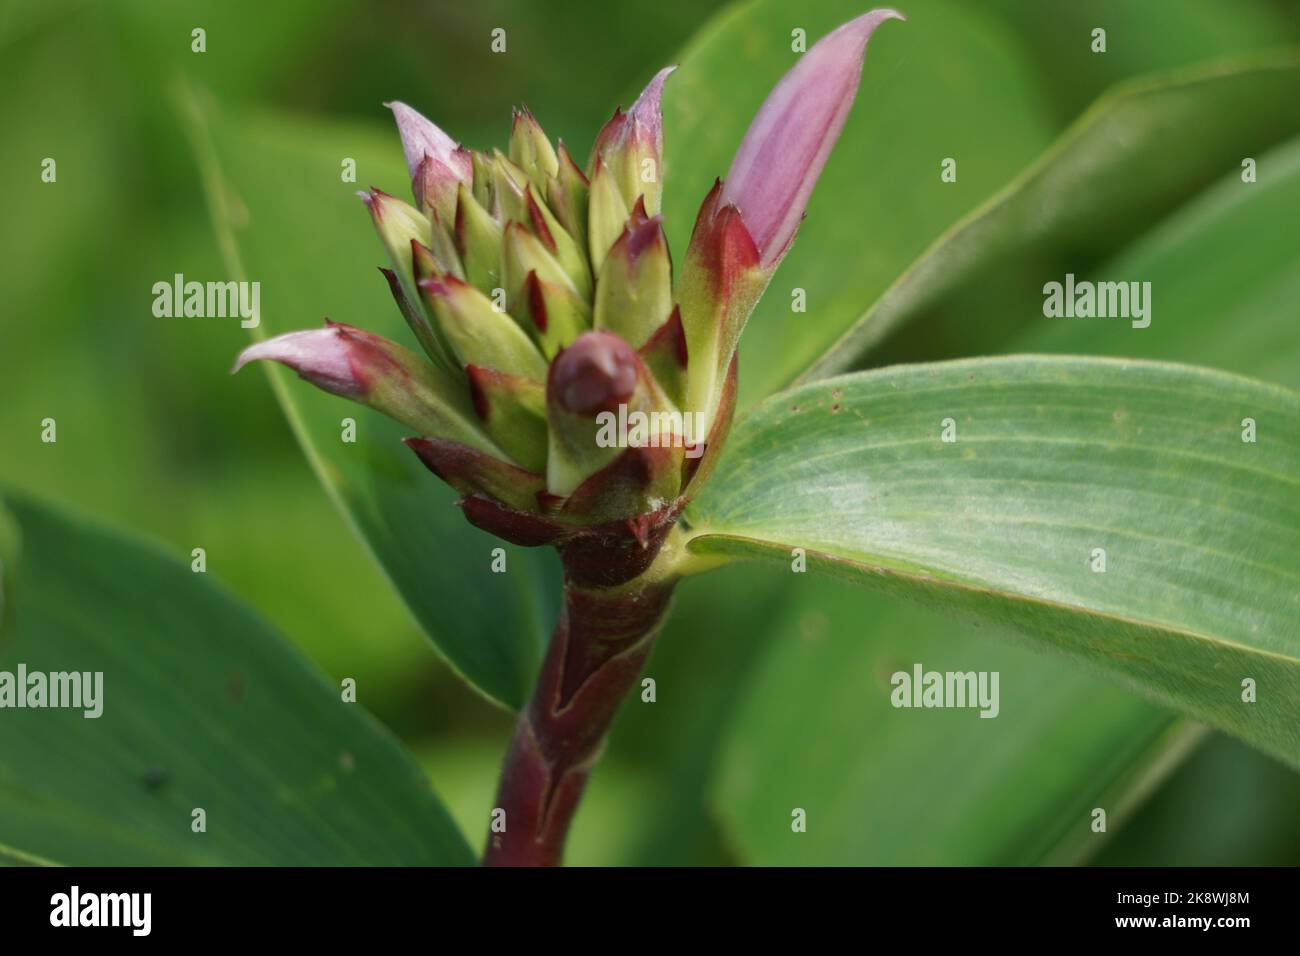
(791, 136)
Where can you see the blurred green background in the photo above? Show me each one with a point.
(155, 435)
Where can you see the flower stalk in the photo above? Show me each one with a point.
(598, 650)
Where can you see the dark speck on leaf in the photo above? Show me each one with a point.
(235, 688)
(835, 408)
(153, 779)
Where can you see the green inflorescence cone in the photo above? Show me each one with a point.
(576, 389)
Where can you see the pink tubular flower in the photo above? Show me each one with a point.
(786, 146)
(369, 369)
(325, 357)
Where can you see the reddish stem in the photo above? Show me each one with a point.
(597, 651)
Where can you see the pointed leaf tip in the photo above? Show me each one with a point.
(787, 144)
(641, 233)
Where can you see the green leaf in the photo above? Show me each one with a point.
(1110, 759)
(1227, 805)
(1239, 315)
(286, 218)
(949, 82)
(1053, 459)
(886, 786)
(1134, 156)
(10, 545)
(1140, 38)
(1078, 744)
(203, 706)
(729, 766)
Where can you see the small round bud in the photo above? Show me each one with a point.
(594, 374)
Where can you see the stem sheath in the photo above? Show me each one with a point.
(599, 647)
